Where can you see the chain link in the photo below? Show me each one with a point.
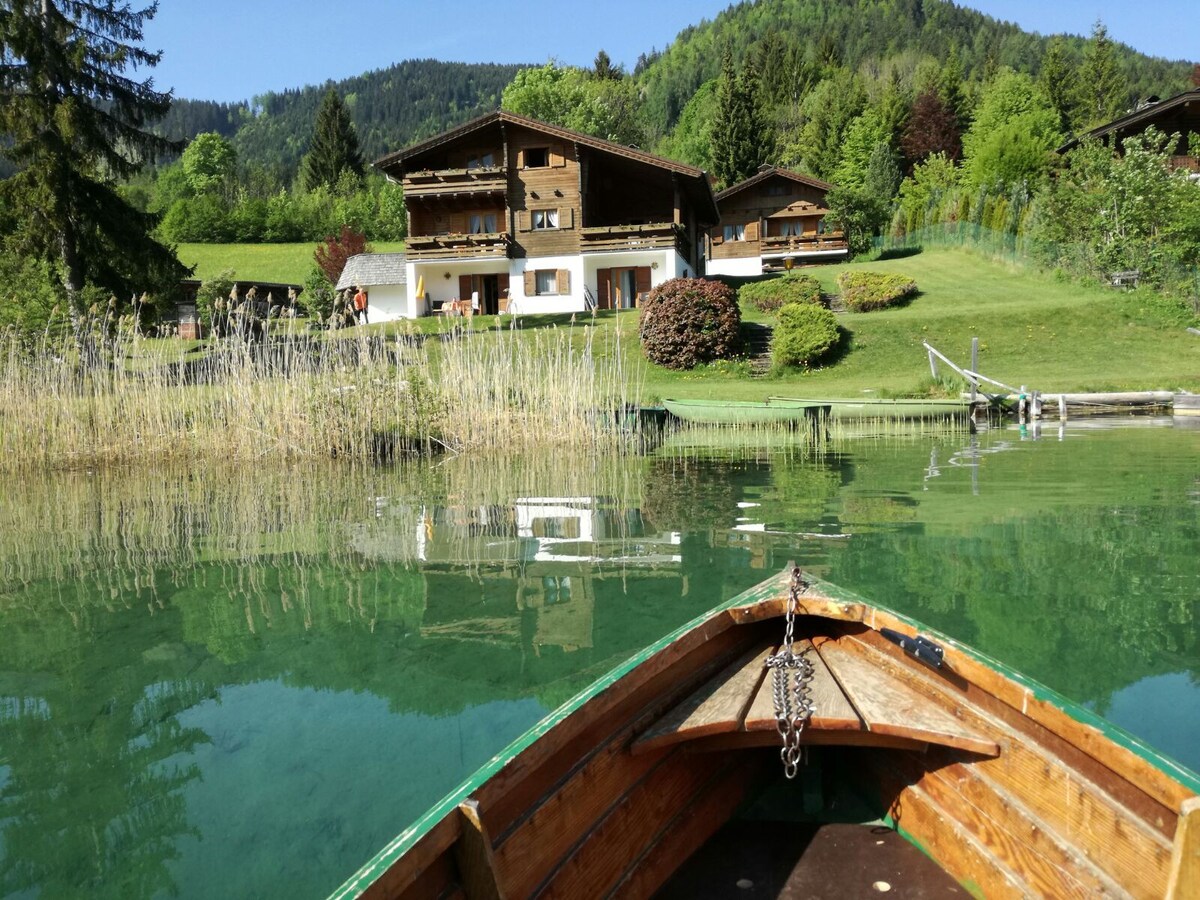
(791, 683)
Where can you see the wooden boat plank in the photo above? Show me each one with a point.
(718, 706)
(1050, 863)
(526, 778)
(561, 819)
(595, 866)
(692, 826)
(831, 710)
(1184, 881)
(1052, 731)
(888, 706)
(421, 864)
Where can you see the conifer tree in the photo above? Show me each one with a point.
(1060, 81)
(334, 147)
(76, 122)
(603, 69)
(739, 135)
(1104, 91)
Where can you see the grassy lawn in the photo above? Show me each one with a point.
(1034, 329)
(288, 263)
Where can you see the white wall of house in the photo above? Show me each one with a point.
(387, 302)
(751, 265)
(546, 303)
(438, 287)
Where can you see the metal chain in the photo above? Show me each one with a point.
(791, 683)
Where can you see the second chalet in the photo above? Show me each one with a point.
(771, 221)
(507, 213)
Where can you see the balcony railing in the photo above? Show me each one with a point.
(832, 241)
(1191, 163)
(485, 180)
(453, 246)
(657, 235)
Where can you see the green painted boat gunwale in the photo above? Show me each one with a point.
(745, 412)
(765, 590)
(895, 408)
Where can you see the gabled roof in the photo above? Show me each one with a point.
(373, 269)
(766, 172)
(396, 161)
(1146, 115)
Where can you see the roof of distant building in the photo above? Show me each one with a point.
(373, 269)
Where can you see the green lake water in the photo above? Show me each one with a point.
(242, 684)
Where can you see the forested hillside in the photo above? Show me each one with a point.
(805, 36)
(391, 107)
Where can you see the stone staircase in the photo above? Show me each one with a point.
(757, 338)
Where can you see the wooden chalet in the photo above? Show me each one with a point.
(1179, 115)
(771, 218)
(507, 213)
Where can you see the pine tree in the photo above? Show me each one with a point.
(1060, 81)
(739, 135)
(76, 123)
(1104, 91)
(334, 147)
(603, 69)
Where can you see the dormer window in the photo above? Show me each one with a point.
(537, 157)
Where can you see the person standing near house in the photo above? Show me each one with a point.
(360, 304)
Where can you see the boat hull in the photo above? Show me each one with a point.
(746, 412)
(1009, 788)
(894, 409)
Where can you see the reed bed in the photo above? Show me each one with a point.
(291, 397)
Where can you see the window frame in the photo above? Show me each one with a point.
(545, 157)
(551, 276)
(549, 218)
(735, 233)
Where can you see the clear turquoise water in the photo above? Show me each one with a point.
(243, 684)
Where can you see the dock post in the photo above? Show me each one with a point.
(1062, 406)
(974, 368)
(1022, 404)
(1036, 405)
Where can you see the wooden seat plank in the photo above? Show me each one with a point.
(831, 710)
(890, 707)
(717, 707)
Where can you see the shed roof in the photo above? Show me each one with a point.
(766, 172)
(1145, 116)
(373, 269)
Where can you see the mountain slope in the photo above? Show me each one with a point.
(858, 33)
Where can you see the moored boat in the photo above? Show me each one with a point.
(881, 408)
(746, 412)
(1009, 788)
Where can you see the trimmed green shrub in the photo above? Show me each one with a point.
(688, 321)
(772, 294)
(865, 291)
(804, 335)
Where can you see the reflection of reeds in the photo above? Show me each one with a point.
(299, 397)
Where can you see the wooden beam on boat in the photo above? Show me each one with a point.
(1184, 882)
(473, 853)
(831, 710)
(719, 706)
(888, 706)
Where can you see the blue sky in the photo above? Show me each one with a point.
(234, 49)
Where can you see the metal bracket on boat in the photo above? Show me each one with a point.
(918, 647)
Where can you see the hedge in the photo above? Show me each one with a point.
(774, 293)
(805, 333)
(866, 291)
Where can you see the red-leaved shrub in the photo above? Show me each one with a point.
(686, 322)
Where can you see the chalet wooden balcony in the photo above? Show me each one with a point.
(457, 246)
(448, 182)
(658, 235)
(1191, 163)
(786, 244)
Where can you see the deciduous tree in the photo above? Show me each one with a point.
(331, 254)
(932, 128)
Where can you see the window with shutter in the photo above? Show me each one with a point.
(566, 217)
(536, 157)
(557, 158)
(751, 232)
(545, 219)
(546, 282)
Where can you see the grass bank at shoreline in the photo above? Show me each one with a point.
(536, 382)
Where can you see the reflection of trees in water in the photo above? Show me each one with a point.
(1114, 609)
(93, 803)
